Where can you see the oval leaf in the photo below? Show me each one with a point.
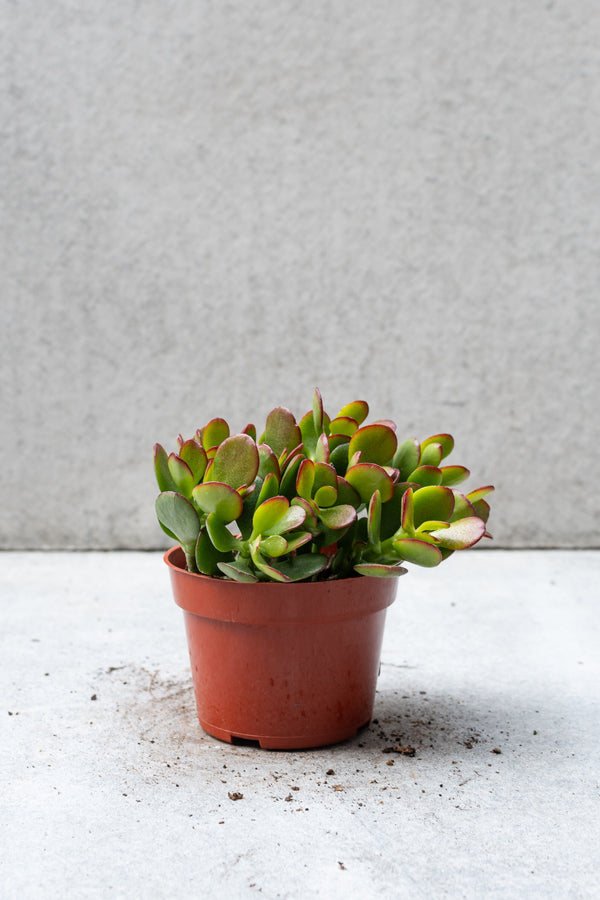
(237, 571)
(236, 461)
(194, 455)
(358, 410)
(407, 457)
(433, 502)
(281, 431)
(460, 535)
(164, 478)
(376, 443)
(426, 476)
(337, 517)
(446, 442)
(377, 570)
(179, 516)
(367, 478)
(418, 552)
(220, 498)
(214, 433)
(453, 475)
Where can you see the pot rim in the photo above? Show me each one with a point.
(265, 602)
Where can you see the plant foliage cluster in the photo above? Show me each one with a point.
(317, 499)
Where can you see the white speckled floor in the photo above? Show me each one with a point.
(490, 671)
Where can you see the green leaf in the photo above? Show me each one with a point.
(292, 518)
(446, 442)
(305, 479)
(322, 449)
(181, 475)
(214, 433)
(358, 410)
(269, 489)
(263, 566)
(268, 514)
(377, 570)
(462, 507)
(268, 464)
(311, 511)
(408, 512)
(418, 552)
(302, 566)
(193, 454)
(376, 443)
(433, 502)
(220, 535)
(318, 412)
(482, 509)
(338, 458)
(325, 474)
(238, 571)
(479, 493)
(207, 556)
(431, 454)
(346, 493)
(407, 457)
(460, 535)
(275, 545)
(374, 520)
(236, 461)
(220, 498)
(250, 429)
(343, 425)
(161, 469)
(453, 475)
(337, 517)
(179, 516)
(298, 539)
(426, 476)
(391, 512)
(281, 431)
(288, 479)
(366, 478)
(325, 496)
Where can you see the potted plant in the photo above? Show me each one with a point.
(289, 549)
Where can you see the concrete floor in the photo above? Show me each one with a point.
(490, 671)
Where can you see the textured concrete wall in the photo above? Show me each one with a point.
(208, 208)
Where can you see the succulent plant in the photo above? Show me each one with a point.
(316, 499)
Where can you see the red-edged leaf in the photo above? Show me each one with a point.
(433, 502)
(236, 461)
(407, 456)
(194, 455)
(281, 431)
(479, 493)
(418, 552)
(453, 475)
(214, 433)
(161, 469)
(446, 441)
(358, 410)
(460, 535)
(337, 517)
(181, 475)
(377, 570)
(366, 478)
(220, 498)
(376, 443)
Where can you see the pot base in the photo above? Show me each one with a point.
(285, 742)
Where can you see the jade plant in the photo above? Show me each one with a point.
(317, 499)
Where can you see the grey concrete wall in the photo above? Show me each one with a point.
(208, 208)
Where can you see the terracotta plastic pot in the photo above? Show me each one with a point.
(285, 665)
